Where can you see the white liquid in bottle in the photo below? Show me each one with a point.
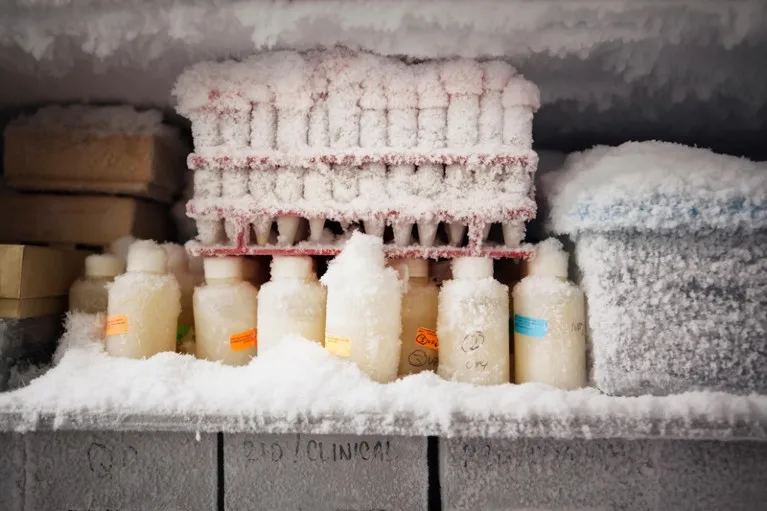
(549, 322)
(291, 303)
(144, 305)
(363, 311)
(89, 293)
(419, 317)
(473, 324)
(225, 313)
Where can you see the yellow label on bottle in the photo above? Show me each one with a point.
(116, 325)
(427, 338)
(243, 340)
(339, 346)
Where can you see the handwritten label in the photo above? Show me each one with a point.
(319, 451)
(427, 338)
(339, 346)
(116, 325)
(531, 327)
(426, 359)
(243, 340)
(103, 459)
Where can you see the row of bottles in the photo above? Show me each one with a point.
(391, 320)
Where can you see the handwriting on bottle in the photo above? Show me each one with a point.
(243, 340)
(427, 338)
(116, 325)
(339, 346)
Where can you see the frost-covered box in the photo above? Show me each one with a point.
(671, 247)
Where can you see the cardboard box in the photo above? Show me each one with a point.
(32, 307)
(38, 272)
(89, 220)
(142, 165)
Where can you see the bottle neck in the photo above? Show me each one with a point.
(109, 278)
(224, 281)
(289, 278)
(146, 272)
(419, 280)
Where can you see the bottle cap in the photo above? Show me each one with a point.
(223, 268)
(292, 267)
(147, 256)
(411, 267)
(472, 268)
(103, 265)
(250, 268)
(549, 260)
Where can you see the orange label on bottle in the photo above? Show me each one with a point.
(243, 340)
(427, 338)
(340, 346)
(116, 325)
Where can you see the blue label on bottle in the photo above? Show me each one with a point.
(531, 327)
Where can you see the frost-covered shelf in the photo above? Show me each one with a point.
(299, 387)
(492, 250)
(480, 156)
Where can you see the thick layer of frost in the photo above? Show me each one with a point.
(687, 69)
(653, 186)
(674, 312)
(300, 386)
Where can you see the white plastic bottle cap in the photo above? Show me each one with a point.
(223, 268)
(414, 267)
(292, 267)
(250, 268)
(472, 268)
(103, 265)
(147, 256)
(549, 260)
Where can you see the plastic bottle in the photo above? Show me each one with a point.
(144, 305)
(363, 311)
(419, 317)
(549, 322)
(89, 293)
(292, 302)
(225, 313)
(178, 265)
(472, 324)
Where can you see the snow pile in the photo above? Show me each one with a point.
(353, 137)
(653, 186)
(299, 385)
(96, 120)
(671, 245)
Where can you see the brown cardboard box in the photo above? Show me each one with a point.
(91, 220)
(142, 165)
(11, 308)
(38, 272)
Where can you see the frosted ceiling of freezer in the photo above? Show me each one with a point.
(674, 67)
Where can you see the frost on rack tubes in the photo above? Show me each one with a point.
(354, 138)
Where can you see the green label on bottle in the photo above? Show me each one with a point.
(181, 332)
